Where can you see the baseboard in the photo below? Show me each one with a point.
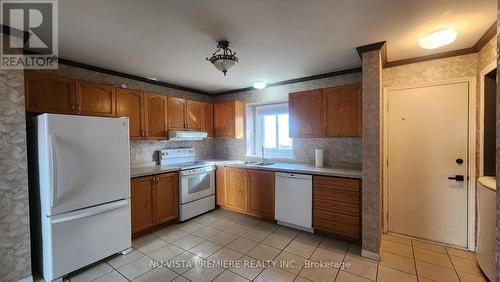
(370, 255)
(26, 279)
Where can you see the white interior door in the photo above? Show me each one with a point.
(427, 138)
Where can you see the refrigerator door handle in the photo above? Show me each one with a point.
(90, 211)
(53, 169)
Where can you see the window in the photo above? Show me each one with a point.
(271, 131)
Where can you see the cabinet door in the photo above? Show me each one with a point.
(305, 111)
(209, 119)
(143, 203)
(49, 94)
(261, 193)
(167, 197)
(195, 113)
(156, 116)
(95, 99)
(220, 185)
(224, 119)
(342, 111)
(236, 189)
(176, 113)
(130, 103)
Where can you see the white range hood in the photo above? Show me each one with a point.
(186, 135)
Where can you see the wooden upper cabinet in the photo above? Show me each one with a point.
(95, 99)
(208, 120)
(49, 94)
(306, 113)
(195, 113)
(236, 189)
(342, 111)
(167, 197)
(155, 106)
(130, 103)
(143, 203)
(176, 113)
(261, 193)
(229, 119)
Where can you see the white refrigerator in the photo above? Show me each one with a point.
(84, 190)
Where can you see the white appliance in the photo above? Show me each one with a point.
(293, 200)
(186, 135)
(486, 234)
(84, 190)
(197, 181)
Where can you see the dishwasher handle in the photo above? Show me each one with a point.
(293, 175)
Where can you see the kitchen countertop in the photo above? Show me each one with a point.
(150, 170)
(339, 171)
(336, 170)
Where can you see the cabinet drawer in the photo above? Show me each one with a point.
(336, 206)
(340, 224)
(352, 184)
(336, 195)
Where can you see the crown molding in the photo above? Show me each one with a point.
(290, 81)
(131, 76)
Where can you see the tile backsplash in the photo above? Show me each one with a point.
(144, 151)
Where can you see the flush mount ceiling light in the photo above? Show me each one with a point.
(438, 39)
(259, 85)
(223, 59)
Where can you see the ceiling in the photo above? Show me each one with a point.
(275, 39)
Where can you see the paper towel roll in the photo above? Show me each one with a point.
(319, 157)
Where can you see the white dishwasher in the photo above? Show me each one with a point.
(293, 200)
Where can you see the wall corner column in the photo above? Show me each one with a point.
(373, 57)
(15, 248)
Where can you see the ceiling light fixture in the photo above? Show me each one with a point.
(152, 78)
(438, 39)
(259, 85)
(223, 59)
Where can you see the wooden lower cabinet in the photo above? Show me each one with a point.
(337, 206)
(155, 200)
(220, 185)
(235, 195)
(249, 191)
(167, 195)
(261, 193)
(143, 203)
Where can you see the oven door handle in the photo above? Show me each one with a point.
(198, 172)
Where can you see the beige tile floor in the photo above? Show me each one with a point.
(243, 248)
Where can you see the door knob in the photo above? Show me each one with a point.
(460, 161)
(457, 178)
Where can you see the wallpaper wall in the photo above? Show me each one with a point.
(15, 250)
(337, 150)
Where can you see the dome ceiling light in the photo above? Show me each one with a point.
(259, 85)
(223, 59)
(438, 39)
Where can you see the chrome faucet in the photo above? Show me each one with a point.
(262, 155)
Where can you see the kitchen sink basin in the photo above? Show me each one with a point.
(263, 163)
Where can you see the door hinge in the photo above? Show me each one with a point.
(387, 107)
(387, 162)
